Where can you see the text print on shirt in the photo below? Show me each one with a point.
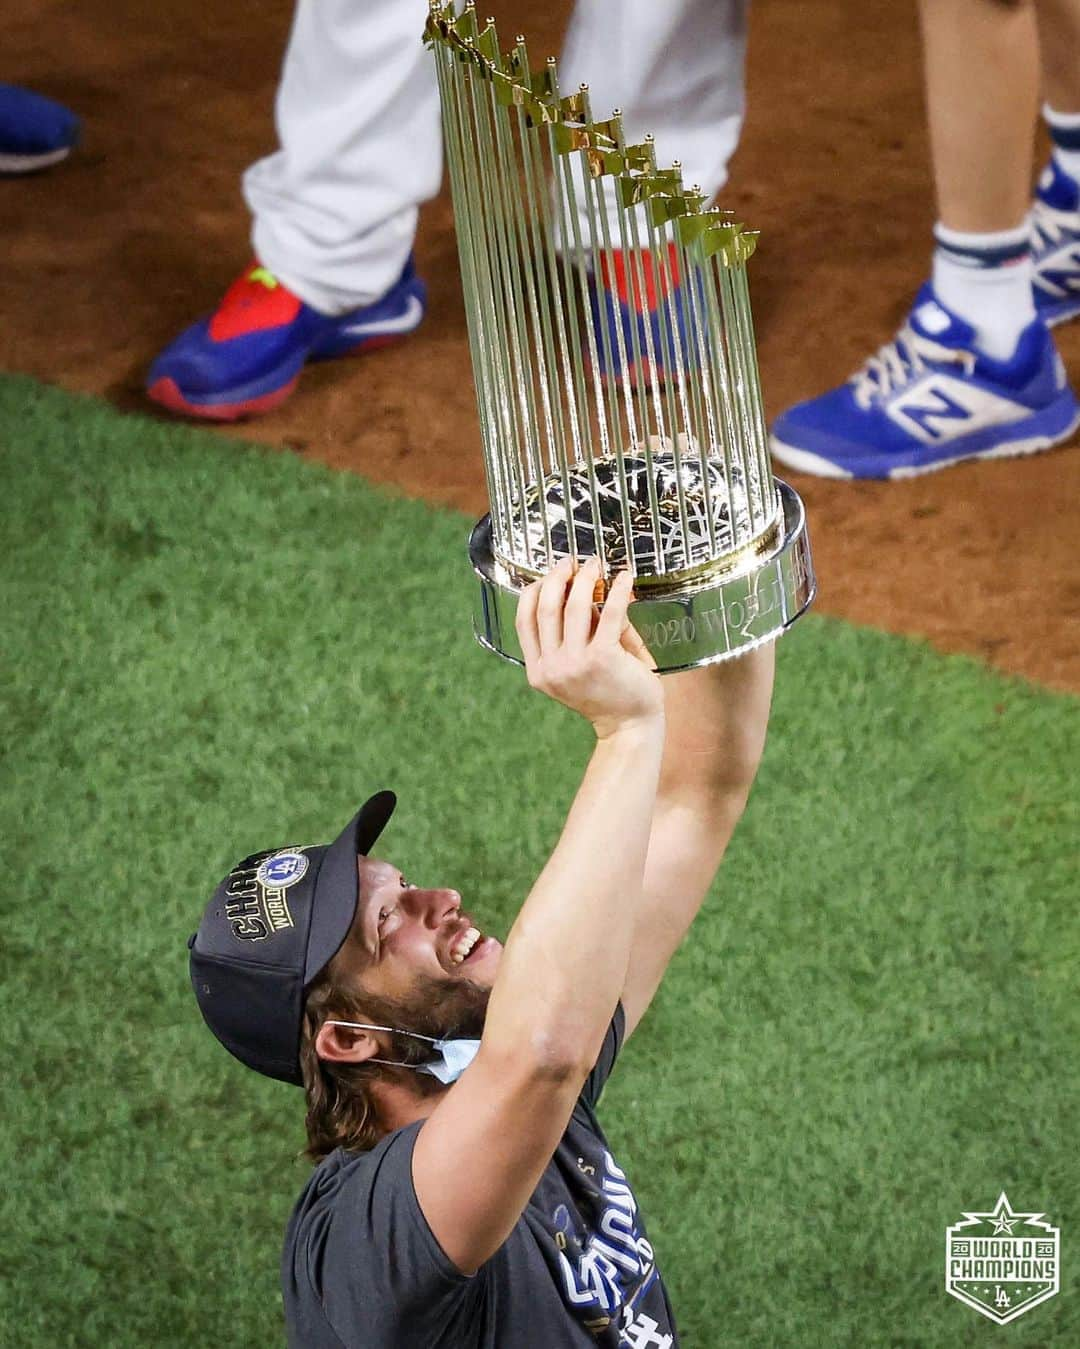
(616, 1261)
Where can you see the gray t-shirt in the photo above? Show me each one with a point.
(361, 1268)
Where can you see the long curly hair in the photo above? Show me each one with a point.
(341, 1107)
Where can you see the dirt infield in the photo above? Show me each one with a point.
(106, 258)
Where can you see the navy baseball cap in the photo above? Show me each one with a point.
(274, 923)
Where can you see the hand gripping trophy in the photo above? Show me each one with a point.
(616, 373)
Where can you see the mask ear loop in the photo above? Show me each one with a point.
(393, 1030)
(362, 1025)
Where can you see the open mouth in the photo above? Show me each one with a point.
(468, 946)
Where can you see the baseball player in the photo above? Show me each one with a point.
(465, 1194)
(335, 207)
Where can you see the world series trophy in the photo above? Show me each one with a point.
(642, 444)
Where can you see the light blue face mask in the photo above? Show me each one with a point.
(454, 1055)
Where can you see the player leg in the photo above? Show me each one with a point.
(1056, 214)
(335, 211)
(982, 143)
(676, 71)
(973, 373)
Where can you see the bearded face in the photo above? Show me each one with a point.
(444, 1009)
(413, 961)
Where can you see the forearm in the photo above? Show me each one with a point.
(716, 723)
(565, 961)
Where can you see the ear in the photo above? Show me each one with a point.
(342, 1044)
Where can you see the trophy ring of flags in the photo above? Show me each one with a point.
(615, 366)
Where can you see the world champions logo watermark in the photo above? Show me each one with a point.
(1002, 1263)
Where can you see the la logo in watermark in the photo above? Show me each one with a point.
(1002, 1263)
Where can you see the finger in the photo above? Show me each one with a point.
(525, 623)
(633, 642)
(613, 615)
(550, 606)
(578, 614)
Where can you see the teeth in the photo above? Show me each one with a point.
(464, 945)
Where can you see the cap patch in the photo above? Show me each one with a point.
(256, 905)
(285, 868)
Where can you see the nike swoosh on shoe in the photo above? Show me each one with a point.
(403, 323)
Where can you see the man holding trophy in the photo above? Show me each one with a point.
(465, 1194)
(483, 1207)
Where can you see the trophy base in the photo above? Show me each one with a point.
(717, 619)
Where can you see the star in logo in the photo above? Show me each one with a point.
(1004, 1217)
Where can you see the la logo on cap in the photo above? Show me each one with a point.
(282, 870)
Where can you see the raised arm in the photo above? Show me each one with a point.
(716, 723)
(480, 1155)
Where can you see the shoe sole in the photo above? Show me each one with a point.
(15, 164)
(804, 461)
(167, 393)
(640, 376)
(1052, 320)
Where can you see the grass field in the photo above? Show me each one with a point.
(209, 648)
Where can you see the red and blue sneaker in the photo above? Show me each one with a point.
(35, 131)
(1055, 246)
(930, 398)
(639, 299)
(247, 356)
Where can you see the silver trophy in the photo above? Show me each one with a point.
(640, 440)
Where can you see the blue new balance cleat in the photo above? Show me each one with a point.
(1055, 246)
(35, 131)
(247, 356)
(929, 399)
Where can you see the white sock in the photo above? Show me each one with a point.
(1064, 128)
(985, 279)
